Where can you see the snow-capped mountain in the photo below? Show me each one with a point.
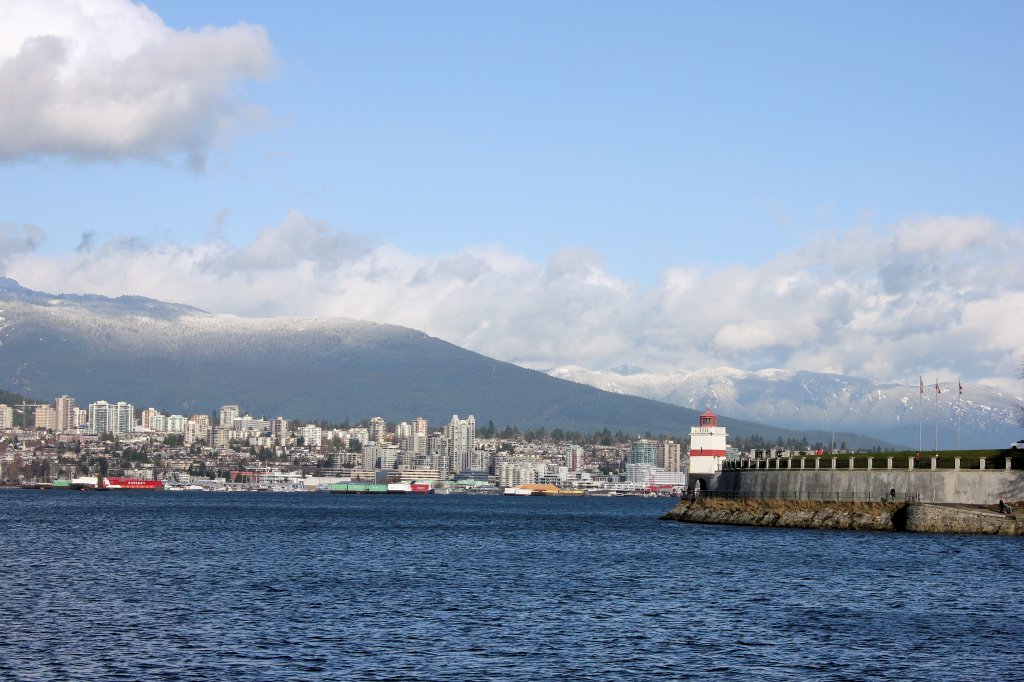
(185, 360)
(800, 400)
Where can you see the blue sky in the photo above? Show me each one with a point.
(647, 149)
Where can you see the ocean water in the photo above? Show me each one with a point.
(206, 586)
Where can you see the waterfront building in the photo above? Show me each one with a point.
(643, 451)
(512, 471)
(649, 476)
(707, 450)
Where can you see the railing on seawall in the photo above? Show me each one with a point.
(890, 496)
(869, 463)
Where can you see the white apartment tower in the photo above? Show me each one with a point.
(107, 418)
(461, 435)
(228, 414)
(378, 429)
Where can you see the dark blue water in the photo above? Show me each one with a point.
(269, 587)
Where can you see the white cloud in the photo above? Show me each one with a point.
(826, 307)
(106, 79)
(17, 240)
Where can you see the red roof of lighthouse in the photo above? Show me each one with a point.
(708, 419)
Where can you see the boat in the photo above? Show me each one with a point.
(517, 491)
(114, 483)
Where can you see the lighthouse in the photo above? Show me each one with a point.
(707, 451)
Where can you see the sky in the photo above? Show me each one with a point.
(831, 187)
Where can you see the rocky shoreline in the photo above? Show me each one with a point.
(908, 517)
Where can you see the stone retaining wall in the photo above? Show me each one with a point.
(912, 517)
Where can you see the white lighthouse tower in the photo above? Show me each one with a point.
(707, 451)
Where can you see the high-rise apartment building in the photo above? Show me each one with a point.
(116, 418)
(228, 414)
(574, 459)
(46, 418)
(6, 417)
(378, 429)
(461, 435)
(643, 451)
(67, 413)
(147, 417)
(670, 455)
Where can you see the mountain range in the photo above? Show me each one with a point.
(907, 415)
(182, 359)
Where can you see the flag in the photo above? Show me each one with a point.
(960, 383)
(921, 379)
(937, 389)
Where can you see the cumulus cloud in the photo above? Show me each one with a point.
(829, 306)
(106, 79)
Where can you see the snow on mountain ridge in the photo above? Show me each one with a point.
(802, 399)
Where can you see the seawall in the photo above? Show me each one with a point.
(960, 486)
(910, 517)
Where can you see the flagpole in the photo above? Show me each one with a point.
(959, 407)
(937, 392)
(920, 415)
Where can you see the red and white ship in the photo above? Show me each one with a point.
(115, 483)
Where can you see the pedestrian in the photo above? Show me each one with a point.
(892, 494)
(1002, 506)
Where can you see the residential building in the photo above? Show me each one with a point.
(228, 414)
(643, 451)
(6, 417)
(46, 417)
(574, 458)
(67, 413)
(378, 429)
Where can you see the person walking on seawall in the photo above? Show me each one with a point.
(892, 494)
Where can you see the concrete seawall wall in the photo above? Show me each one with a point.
(914, 518)
(927, 485)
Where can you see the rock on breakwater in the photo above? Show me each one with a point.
(913, 517)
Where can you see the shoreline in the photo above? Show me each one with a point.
(912, 517)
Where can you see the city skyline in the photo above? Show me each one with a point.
(670, 186)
